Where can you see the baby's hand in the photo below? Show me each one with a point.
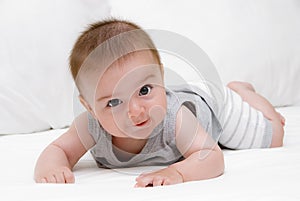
(166, 176)
(60, 175)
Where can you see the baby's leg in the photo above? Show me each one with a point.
(248, 94)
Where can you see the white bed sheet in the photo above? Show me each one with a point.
(262, 174)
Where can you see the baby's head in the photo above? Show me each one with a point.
(118, 73)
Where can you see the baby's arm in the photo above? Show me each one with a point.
(55, 163)
(203, 157)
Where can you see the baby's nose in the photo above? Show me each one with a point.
(136, 112)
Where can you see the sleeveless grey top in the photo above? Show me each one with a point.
(160, 148)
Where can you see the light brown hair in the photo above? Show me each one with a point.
(117, 38)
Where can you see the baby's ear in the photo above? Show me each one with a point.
(162, 68)
(86, 105)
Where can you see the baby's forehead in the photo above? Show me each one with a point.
(132, 66)
(139, 58)
(135, 61)
(129, 75)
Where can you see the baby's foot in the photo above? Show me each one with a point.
(282, 119)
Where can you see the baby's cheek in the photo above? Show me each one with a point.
(108, 122)
(157, 112)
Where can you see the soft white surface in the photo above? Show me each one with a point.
(36, 37)
(262, 174)
(251, 40)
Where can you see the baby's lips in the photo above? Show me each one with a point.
(142, 123)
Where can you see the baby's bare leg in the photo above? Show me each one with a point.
(248, 94)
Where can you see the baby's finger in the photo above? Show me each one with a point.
(51, 179)
(158, 181)
(167, 181)
(144, 181)
(60, 178)
(43, 180)
(69, 176)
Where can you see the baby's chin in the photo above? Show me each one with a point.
(139, 132)
(143, 131)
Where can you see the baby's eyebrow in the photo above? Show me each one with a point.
(103, 98)
(146, 78)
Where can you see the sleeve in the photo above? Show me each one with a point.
(94, 127)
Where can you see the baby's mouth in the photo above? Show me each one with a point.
(143, 123)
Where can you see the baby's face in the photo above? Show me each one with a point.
(130, 100)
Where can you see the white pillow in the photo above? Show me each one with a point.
(36, 89)
(253, 40)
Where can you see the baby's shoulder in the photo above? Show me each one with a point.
(82, 119)
(80, 128)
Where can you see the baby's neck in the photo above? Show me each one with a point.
(129, 145)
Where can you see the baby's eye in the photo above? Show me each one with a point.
(114, 102)
(145, 90)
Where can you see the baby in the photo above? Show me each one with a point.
(132, 119)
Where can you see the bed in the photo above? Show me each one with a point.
(256, 41)
(258, 174)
